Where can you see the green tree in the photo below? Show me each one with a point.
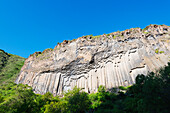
(78, 101)
(56, 107)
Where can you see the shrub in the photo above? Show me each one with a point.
(161, 52)
(108, 35)
(157, 51)
(123, 88)
(114, 36)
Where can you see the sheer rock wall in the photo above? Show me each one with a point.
(111, 60)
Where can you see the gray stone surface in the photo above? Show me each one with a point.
(111, 60)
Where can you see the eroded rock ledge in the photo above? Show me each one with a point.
(111, 60)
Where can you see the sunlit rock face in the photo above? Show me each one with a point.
(111, 60)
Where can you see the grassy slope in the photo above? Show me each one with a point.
(10, 66)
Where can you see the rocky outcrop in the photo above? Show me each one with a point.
(111, 60)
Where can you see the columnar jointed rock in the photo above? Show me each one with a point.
(111, 60)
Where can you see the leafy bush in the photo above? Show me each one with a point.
(157, 51)
(123, 88)
(161, 52)
(114, 36)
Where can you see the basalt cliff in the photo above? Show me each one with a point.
(111, 60)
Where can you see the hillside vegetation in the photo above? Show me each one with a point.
(10, 66)
(150, 94)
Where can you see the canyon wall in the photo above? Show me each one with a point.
(111, 60)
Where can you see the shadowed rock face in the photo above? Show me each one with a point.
(88, 62)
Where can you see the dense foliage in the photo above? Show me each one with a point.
(10, 66)
(150, 94)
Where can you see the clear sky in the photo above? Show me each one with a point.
(27, 26)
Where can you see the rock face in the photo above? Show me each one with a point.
(111, 60)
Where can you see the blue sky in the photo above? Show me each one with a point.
(27, 26)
